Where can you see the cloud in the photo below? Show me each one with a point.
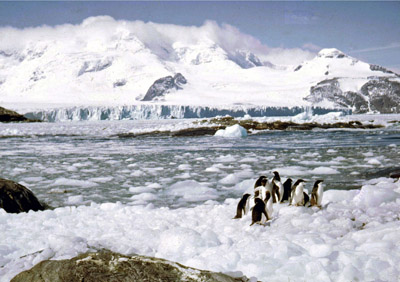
(99, 32)
(393, 45)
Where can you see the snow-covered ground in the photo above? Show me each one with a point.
(354, 237)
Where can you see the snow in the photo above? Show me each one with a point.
(353, 237)
(105, 62)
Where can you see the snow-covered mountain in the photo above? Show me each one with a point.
(104, 62)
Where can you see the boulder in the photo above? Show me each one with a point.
(15, 198)
(109, 266)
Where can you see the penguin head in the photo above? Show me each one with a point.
(318, 182)
(276, 176)
(260, 181)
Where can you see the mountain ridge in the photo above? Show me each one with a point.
(103, 62)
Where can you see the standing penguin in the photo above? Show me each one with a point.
(269, 205)
(261, 181)
(287, 187)
(242, 206)
(317, 193)
(258, 211)
(260, 187)
(297, 195)
(277, 187)
(306, 199)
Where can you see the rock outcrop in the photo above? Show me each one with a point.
(11, 116)
(379, 94)
(164, 85)
(109, 266)
(15, 198)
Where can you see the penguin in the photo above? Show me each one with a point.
(317, 193)
(269, 205)
(277, 187)
(258, 211)
(262, 179)
(297, 196)
(287, 186)
(259, 187)
(242, 206)
(306, 199)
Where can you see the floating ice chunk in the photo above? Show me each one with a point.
(324, 170)
(229, 179)
(374, 162)
(232, 131)
(75, 200)
(73, 182)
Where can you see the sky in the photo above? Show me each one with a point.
(369, 31)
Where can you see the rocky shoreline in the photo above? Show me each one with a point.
(11, 116)
(211, 126)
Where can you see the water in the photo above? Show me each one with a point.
(83, 162)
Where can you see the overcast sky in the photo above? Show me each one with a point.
(369, 31)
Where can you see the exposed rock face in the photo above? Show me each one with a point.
(378, 95)
(11, 116)
(15, 198)
(163, 85)
(108, 266)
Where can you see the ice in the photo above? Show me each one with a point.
(299, 244)
(73, 182)
(232, 131)
(229, 179)
(324, 170)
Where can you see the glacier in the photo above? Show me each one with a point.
(156, 111)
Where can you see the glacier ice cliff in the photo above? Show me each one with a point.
(157, 111)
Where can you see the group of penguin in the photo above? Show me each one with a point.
(267, 192)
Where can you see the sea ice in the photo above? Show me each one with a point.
(232, 131)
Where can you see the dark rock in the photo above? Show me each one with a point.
(109, 266)
(384, 95)
(11, 116)
(15, 198)
(298, 68)
(383, 172)
(196, 131)
(163, 85)
(378, 94)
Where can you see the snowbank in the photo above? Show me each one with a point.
(354, 237)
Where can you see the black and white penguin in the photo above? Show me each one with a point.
(269, 205)
(242, 206)
(287, 188)
(261, 181)
(317, 193)
(306, 199)
(277, 187)
(258, 212)
(260, 187)
(297, 195)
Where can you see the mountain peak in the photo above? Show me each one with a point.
(331, 53)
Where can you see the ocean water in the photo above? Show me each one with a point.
(79, 163)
